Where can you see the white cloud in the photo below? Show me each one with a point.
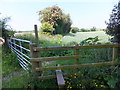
(59, 1)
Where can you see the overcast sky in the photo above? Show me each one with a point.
(83, 13)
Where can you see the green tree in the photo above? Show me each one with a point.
(74, 29)
(93, 29)
(113, 27)
(5, 30)
(84, 30)
(54, 16)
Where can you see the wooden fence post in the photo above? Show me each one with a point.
(35, 54)
(36, 34)
(77, 53)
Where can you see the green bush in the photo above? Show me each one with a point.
(74, 29)
(46, 28)
(90, 41)
(93, 29)
(84, 30)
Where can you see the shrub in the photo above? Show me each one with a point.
(90, 41)
(84, 30)
(93, 29)
(46, 28)
(74, 29)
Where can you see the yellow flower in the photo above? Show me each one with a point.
(96, 85)
(74, 76)
(70, 87)
(80, 84)
(67, 81)
(102, 85)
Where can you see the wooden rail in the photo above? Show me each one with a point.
(37, 61)
(54, 58)
(76, 47)
(76, 66)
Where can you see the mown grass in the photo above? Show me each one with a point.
(79, 36)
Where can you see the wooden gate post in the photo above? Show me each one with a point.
(34, 54)
(77, 53)
(36, 35)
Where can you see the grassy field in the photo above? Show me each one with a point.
(79, 36)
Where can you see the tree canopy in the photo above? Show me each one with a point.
(113, 27)
(5, 31)
(60, 21)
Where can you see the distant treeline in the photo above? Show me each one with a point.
(76, 29)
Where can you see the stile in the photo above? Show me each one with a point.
(60, 79)
(34, 54)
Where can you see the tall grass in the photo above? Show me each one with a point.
(9, 63)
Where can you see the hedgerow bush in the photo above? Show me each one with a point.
(74, 29)
(46, 28)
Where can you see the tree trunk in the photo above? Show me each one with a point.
(116, 39)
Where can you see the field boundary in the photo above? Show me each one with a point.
(37, 60)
